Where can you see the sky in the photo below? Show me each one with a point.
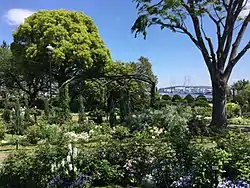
(175, 60)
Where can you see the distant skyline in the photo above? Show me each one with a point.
(172, 55)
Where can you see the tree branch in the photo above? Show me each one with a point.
(210, 44)
(239, 38)
(197, 29)
(233, 62)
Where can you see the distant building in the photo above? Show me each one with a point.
(183, 91)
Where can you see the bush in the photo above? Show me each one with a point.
(34, 134)
(78, 128)
(198, 126)
(239, 121)
(120, 132)
(33, 168)
(233, 110)
(189, 99)
(6, 115)
(166, 98)
(202, 111)
(2, 130)
(176, 98)
(201, 101)
(51, 133)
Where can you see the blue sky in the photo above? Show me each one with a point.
(172, 55)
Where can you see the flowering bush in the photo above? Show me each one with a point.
(73, 137)
(85, 126)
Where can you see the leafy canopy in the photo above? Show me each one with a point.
(73, 35)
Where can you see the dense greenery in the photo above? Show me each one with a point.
(105, 124)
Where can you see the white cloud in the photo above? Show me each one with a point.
(16, 16)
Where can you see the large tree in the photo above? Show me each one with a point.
(74, 37)
(221, 52)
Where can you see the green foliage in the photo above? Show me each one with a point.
(81, 111)
(15, 170)
(64, 110)
(201, 101)
(203, 111)
(166, 98)
(132, 162)
(6, 115)
(34, 134)
(50, 133)
(198, 126)
(239, 121)
(78, 128)
(189, 99)
(75, 40)
(176, 98)
(33, 168)
(3, 129)
(233, 110)
(238, 146)
(46, 108)
(17, 118)
(120, 132)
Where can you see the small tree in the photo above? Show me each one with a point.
(6, 113)
(81, 110)
(46, 108)
(27, 118)
(64, 99)
(189, 99)
(166, 97)
(17, 120)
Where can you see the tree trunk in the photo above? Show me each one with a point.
(219, 116)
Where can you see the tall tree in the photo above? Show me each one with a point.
(74, 37)
(230, 18)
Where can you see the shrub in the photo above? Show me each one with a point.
(238, 145)
(85, 126)
(198, 126)
(2, 130)
(176, 98)
(202, 111)
(233, 110)
(100, 132)
(189, 99)
(166, 98)
(73, 137)
(51, 133)
(34, 134)
(15, 170)
(6, 115)
(120, 132)
(239, 121)
(201, 101)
